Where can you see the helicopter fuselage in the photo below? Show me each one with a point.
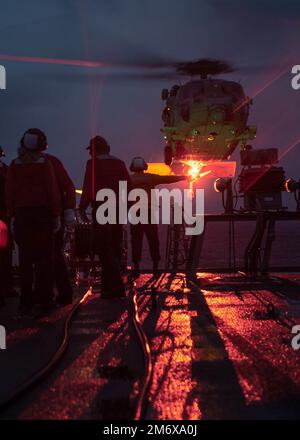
(205, 119)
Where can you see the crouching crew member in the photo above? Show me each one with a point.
(105, 171)
(34, 206)
(68, 197)
(146, 181)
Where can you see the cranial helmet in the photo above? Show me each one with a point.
(99, 145)
(34, 139)
(138, 164)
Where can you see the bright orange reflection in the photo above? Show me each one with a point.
(172, 395)
(194, 168)
(86, 295)
(159, 168)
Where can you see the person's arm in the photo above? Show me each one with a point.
(125, 176)
(155, 179)
(66, 185)
(161, 180)
(53, 192)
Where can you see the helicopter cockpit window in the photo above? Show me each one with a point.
(191, 92)
(174, 90)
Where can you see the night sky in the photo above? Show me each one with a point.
(71, 104)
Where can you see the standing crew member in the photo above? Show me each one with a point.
(68, 197)
(147, 182)
(105, 171)
(34, 206)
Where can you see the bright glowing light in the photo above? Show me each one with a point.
(195, 168)
(159, 168)
(194, 172)
(199, 168)
(86, 295)
(78, 191)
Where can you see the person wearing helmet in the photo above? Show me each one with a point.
(104, 171)
(34, 207)
(147, 182)
(68, 197)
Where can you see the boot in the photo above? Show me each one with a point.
(136, 271)
(156, 271)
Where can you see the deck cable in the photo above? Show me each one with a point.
(37, 377)
(142, 402)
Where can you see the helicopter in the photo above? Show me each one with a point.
(205, 119)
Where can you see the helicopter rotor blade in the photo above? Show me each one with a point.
(109, 76)
(204, 67)
(140, 62)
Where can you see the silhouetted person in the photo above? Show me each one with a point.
(68, 198)
(147, 182)
(105, 171)
(34, 207)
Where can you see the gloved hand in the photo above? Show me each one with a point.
(56, 224)
(69, 217)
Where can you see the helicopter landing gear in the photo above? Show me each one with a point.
(168, 155)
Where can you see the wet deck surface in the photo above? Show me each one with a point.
(221, 351)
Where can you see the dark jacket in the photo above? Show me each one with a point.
(65, 184)
(32, 184)
(107, 173)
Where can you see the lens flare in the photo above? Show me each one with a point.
(194, 173)
(195, 168)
